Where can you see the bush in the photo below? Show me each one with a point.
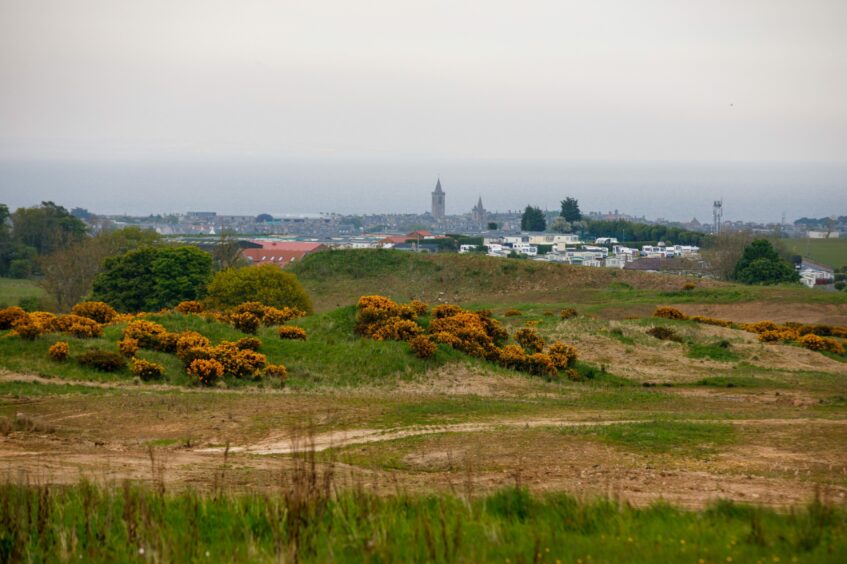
(256, 308)
(147, 333)
(420, 308)
(762, 326)
(568, 313)
(688, 286)
(104, 361)
(59, 351)
(711, 321)
(239, 363)
(189, 306)
(9, 315)
(530, 340)
(815, 343)
(206, 371)
(775, 336)
(541, 364)
(279, 316)
(248, 343)
(512, 313)
(445, 310)
(128, 346)
(470, 333)
(664, 334)
(190, 340)
(267, 284)
(27, 328)
(98, 311)
(293, 333)
(277, 371)
(563, 356)
(669, 313)
(513, 357)
(147, 370)
(422, 346)
(245, 322)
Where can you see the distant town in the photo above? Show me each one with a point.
(595, 238)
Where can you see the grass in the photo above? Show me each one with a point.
(718, 350)
(831, 252)
(84, 522)
(673, 437)
(13, 290)
(739, 382)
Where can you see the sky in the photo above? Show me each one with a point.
(91, 86)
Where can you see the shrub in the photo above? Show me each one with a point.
(206, 371)
(563, 355)
(762, 326)
(664, 334)
(469, 333)
(167, 342)
(541, 364)
(85, 330)
(422, 346)
(189, 340)
(98, 311)
(688, 286)
(147, 333)
(9, 315)
(669, 313)
(568, 313)
(383, 319)
(784, 335)
(147, 370)
(530, 340)
(26, 328)
(513, 357)
(420, 308)
(290, 332)
(256, 308)
(59, 351)
(128, 346)
(278, 371)
(248, 343)
(104, 361)
(815, 343)
(245, 322)
(445, 310)
(237, 362)
(512, 313)
(189, 306)
(279, 316)
(711, 321)
(266, 283)
(396, 329)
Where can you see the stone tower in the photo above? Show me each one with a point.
(438, 198)
(479, 214)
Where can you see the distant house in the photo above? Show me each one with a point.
(394, 241)
(281, 253)
(815, 274)
(822, 234)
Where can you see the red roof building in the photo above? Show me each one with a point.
(281, 253)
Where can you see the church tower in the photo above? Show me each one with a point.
(479, 215)
(438, 198)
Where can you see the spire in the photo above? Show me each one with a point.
(479, 203)
(438, 186)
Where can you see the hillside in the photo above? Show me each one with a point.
(337, 278)
(831, 252)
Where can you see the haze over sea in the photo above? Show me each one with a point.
(677, 191)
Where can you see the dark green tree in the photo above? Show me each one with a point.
(761, 264)
(46, 228)
(16, 259)
(533, 219)
(492, 226)
(152, 278)
(266, 283)
(570, 210)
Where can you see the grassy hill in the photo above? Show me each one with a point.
(338, 278)
(831, 252)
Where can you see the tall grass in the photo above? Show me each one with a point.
(309, 522)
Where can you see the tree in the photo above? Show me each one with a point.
(570, 210)
(266, 283)
(761, 264)
(723, 251)
(70, 272)
(46, 228)
(16, 259)
(533, 219)
(152, 278)
(227, 252)
(561, 225)
(492, 226)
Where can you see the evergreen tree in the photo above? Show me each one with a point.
(570, 210)
(533, 219)
(761, 264)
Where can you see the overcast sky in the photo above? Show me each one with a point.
(741, 80)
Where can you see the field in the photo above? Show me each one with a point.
(12, 291)
(714, 446)
(831, 252)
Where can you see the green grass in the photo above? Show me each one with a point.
(87, 523)
(676, 437)
(719, 350)
(831, 252)
(739, 382)
(13, 290)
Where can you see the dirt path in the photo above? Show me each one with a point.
(339, 439)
